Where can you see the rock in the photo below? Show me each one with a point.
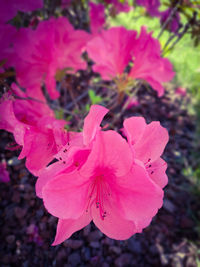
(169, 206)
(167, 219)
(134, 245)
(108, 241)
(86, 253)
(94, 236)
(186, 222)
(74, 259)
(86, 230)
(95, 244)
(123, 260)
(61, 255)
(115, 250)
(74, 244)
(10, 239)
(20, 212)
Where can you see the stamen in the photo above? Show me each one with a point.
(98, 189)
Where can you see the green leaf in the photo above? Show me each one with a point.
(95, 99)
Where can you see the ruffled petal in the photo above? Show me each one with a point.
(66, 228)
(157, 172)
(109, 151)
(47, 175)
(114, 224)
(134, 128)
(152, 143)
(92, 122)
(65, 196)
(138, 197)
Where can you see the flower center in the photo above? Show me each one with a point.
(97, 194)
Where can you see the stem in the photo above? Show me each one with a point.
(173, 11)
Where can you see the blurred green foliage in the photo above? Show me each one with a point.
(185, 57)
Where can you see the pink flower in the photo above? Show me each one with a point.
(108, 185)
(53, 46)
(148, 64)
(147, 142)
(4, 175)
(151, 6)
(97, 17)
(181, 91)
(111, 51)
(34, 127)
(174, 23)
(9, 8)
(115, 48)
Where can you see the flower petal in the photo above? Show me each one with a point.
(92, 122)
(65, 196)
(152, 143)
(47, 175)
(114, 225)
(157, 172)
(109, 151)
(66, 228)
(134, 128)
(139, 198)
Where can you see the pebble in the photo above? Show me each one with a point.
(169, 206)
(94, 236)
(134, 245)
(74, 259)
(74, 244)
(115, 250)
(123, 260)
(10, 239)
(186, 222)
(94, 244)
(20, 212)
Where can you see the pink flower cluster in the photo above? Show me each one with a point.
(113, 50)
(34, 127)
(102, 177)
(99, 175)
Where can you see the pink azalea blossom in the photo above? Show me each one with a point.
(9, 8)
(53, 46)
(147, 142)
(34, 127)
(181, 91)
(111, 51)
(148, 64)
(151, 6)
(97, 17)
(107, 184)
(4, 175)
(115, 48)
(174, 23)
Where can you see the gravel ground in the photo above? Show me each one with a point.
(172, 239)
